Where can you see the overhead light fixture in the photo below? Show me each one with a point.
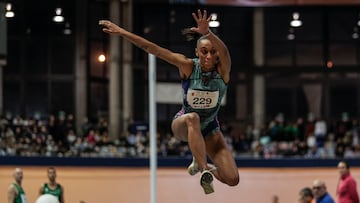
(172, 16)
(355, 34)
(67, 29)
(214, 20)
(58, 16)
(296, 22)
(102, 58)
(291, 34)
(9, 12)
(329, 64)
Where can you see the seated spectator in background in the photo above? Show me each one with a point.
(320, 192)
(320, 133)
(306, 195)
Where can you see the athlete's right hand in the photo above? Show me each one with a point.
(110, 27)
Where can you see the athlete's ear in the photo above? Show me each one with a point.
(196, 53)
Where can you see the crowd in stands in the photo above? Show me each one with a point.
(58, 136)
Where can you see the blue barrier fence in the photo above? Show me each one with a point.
(167, 162)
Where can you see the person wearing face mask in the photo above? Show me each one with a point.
(204, 81)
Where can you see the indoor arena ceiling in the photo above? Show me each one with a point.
(282, 2)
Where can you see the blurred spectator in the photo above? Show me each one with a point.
(280, 138)
(71, 137)
(91, 137)
(310, 125)
(347, 188)
(306, 195)
(320, 134)
(320, 192)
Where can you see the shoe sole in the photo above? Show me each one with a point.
(191, 169)
(206, 182)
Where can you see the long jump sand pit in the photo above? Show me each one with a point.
(174, 185)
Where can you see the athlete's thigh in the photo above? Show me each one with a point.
(220, 154)
(179, 128)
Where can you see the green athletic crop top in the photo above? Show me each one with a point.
(203, 93)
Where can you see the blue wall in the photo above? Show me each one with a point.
(167, 162)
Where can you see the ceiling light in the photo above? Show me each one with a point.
(296, 22)
(67, 29)
(214, 23)
(58, 17)
(214, 20)
(101, 58)
(9, 13)
(291, 36)
(172, 16)
(213, 16)
(355, 34)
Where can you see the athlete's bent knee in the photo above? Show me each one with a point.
(233, 181)
(193, 118)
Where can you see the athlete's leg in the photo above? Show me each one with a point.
(226, 169)
(193, 168)
(187, 128)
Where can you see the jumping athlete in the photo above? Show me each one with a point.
(204, 82)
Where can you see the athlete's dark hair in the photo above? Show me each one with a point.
(190, 35)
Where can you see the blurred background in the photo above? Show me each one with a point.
(75, 91)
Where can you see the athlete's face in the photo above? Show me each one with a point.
(51, 174)
(207, 55)
(18, 175)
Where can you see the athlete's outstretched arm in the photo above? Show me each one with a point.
(179, 60)
(224, 65)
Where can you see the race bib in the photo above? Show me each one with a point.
(198, 99)
(23, 198)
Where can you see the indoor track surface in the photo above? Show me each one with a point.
(174, 185)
